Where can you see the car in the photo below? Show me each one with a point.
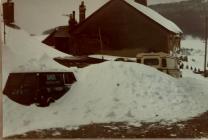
(161, 61)
(40, 88)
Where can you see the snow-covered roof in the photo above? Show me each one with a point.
(155, 16)
(161, 54)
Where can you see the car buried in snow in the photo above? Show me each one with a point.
(161, 61)
(40, 88)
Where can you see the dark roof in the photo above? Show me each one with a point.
(62, 31)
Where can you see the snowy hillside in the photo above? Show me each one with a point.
(193, 48)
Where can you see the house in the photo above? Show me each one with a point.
(119, 27)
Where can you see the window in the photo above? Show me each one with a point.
(164, 62)
(151, 61)
(69, 78)
(139, 61)
(51, 77)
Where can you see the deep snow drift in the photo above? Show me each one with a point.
(113, 92)
(107, 92)
(22, 53)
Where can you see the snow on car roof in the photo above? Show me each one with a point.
(155, 16)
(162, 54)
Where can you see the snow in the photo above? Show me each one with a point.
(194, 49)
(113, 92)
(109, 57)
(107, 92)
(22, 53)
(40, 38)
(192, 43)
(155, 16)
(20, 38)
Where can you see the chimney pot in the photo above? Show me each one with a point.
(70, 17)
(72, 21)
(74, 15)
(82, 11)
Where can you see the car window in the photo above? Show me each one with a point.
(51, 77)
(151, 61)
(139, 61)
(164, 62)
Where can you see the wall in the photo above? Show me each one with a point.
(120, 27)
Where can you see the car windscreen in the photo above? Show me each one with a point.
(151, 61)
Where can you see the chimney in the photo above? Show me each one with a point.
(82, 11)
(72, 21)
(70, 17)
(143, 2)
(8, 12)
(73, 15)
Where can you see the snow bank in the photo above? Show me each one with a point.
(22, 53)
(20, 40)
(113, 92)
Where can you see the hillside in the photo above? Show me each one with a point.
(188, 15)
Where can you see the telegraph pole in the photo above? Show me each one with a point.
(205, 56)
(4, 32)
(101, 42)
(1, 45)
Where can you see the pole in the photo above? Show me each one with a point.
(1, 70)
(4, 33)
(205, 57)
(101, 42)
(1, 45)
